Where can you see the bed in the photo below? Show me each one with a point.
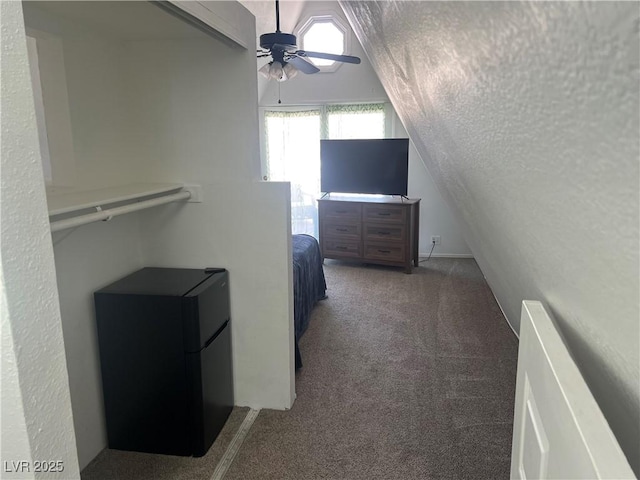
(309, 284)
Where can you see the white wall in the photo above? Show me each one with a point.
(436, 217)
(34, 371)
(192, 113)
(359, 83)
(96, 86)
(87, 259)
(527, 116)
(150, 106)
(251, 237)
(198, 124)
(91, 257)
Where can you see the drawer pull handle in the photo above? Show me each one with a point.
(384, 214)
(341, 211)
(384, 251)
(341, 229)
(341, 247)
(384, 233)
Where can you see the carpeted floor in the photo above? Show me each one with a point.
(404, 377)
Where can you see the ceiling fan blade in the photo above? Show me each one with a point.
(284, 48)
(329, 56)
(303, 65)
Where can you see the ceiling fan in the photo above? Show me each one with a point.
(287, 59)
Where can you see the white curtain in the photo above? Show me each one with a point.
(355, 121)
(293, 150)
(293, 155)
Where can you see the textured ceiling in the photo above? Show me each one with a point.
(265, 13)
(527, 116)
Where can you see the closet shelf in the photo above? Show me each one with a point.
(68, 201)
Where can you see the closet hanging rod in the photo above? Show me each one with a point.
(113, 212)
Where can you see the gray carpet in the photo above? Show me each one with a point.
(404, 377)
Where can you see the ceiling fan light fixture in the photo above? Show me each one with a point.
(264, 70)
(290, 71)
(276, 72)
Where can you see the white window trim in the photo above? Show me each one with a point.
(334, 18)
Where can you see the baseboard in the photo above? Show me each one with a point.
(505, 316)
(506, 319)
(234, 447)
(446, 255)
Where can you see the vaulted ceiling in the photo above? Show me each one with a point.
(265, 13)
(527, 116)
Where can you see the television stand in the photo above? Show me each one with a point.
(383, 231)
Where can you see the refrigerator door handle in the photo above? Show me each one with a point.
(215, 335)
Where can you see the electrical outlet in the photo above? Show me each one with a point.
(435, 239)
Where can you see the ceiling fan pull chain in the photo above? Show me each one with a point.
(279, 101)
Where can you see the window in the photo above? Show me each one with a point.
(292, 147)
(324, 33)
(293, 155)
(355, 121)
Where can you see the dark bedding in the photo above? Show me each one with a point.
(308, 284)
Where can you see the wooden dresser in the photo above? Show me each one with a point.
(381, 231)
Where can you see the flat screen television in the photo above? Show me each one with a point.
(376, 166)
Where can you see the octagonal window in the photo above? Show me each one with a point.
(323, 34)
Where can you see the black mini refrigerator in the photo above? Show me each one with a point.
(165, 353)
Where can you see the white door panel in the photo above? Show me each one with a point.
(559, 430)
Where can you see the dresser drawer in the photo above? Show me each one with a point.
(382, 232)
(375, 231)
(385, 213)
(391, 253)
(341, 211)
(339, 248)
(344, 230)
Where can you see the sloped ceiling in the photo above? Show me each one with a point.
(265, 13)
(527, 116)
